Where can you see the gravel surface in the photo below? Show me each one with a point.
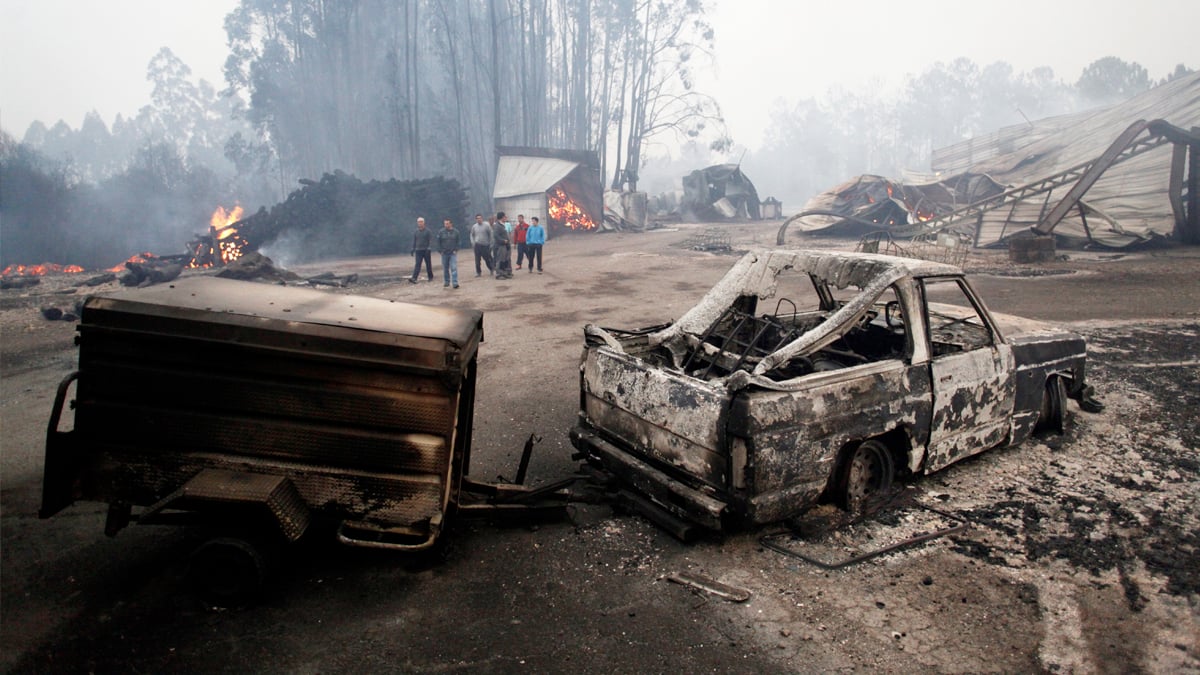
(1080, 553)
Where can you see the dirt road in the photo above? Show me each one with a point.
(1080, 555)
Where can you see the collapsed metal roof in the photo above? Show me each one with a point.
(720, 192)
(1106, 176)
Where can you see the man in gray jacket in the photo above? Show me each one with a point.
(481, 239)
(422, 240)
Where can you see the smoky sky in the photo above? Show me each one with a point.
(60, 59)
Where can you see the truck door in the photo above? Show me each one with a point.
(971, 373)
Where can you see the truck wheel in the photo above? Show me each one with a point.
(228, 571)
(1053, 416)
(867, 471)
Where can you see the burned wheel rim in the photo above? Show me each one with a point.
(1053, 416)
(228, 571)
(868, 471)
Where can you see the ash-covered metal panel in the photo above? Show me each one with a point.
(520, 175)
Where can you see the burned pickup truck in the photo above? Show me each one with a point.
(805, 376)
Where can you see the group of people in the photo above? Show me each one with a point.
(492, 242)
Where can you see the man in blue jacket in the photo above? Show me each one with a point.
(535, 238)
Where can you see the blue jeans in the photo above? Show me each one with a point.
(450, 267)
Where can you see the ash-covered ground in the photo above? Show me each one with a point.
(1080, 554)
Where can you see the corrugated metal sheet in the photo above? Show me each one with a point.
(1128, 203)
(529, 205)
(520, 175)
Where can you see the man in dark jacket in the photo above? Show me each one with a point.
(501, 249)
(422, 240)
(448, 242)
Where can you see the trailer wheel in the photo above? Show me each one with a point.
(228, 571)
(1053, 416)
(867, 471)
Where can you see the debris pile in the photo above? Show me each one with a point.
(340, 215)
(256, 267)
(719, 192)
(868, 204)
(713, 240)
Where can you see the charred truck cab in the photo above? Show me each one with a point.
(235, 404)
(806, 375)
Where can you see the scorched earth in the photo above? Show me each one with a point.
(1079, 552)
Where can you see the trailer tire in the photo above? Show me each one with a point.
(228, 571)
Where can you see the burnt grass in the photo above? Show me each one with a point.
(1090, 525)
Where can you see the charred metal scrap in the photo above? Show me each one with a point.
(719, 192)
(873, 203)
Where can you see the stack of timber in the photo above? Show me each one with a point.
(340, 215)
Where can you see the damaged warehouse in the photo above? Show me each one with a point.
(1120, 176)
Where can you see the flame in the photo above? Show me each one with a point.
(144, 256)
(222, 219)
(39, 270)
(567, 212)
(223, 243)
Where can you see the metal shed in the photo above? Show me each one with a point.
(536, 181)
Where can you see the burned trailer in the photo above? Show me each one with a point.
(253, 406)
(805, 376)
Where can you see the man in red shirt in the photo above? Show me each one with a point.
(519, 237)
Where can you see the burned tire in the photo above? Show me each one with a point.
(1053, 416)
(867, 471)
(227, 571)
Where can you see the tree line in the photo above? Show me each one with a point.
(413, 89)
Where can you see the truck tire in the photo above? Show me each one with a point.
(228, 571)
(867, 471)
(1053, 416)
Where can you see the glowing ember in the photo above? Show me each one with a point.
(144, 256)
(223, 244)
(563, 210)
(39, 270)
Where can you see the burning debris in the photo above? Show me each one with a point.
(222, 244)
(567, 213)
(869, 204)
(39, 270)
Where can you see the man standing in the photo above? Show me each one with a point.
(519, 237)
(447, 241)
(422, 239)
(501, 252)
(534, 239)
(481, 240)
